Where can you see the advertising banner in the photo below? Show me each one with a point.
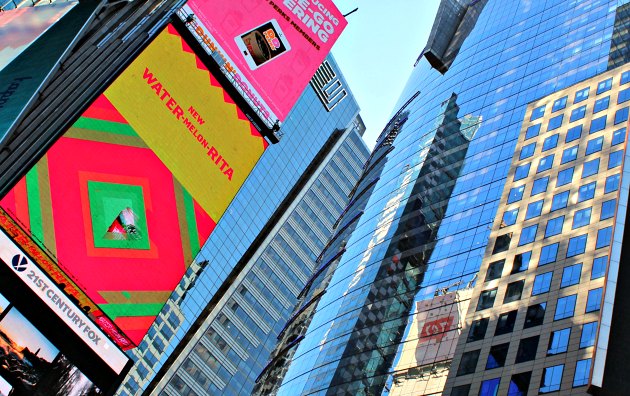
(272, 48)
(129, 194)
(20, 27)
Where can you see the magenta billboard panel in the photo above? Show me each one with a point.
(272, 48)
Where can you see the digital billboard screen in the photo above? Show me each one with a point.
(272, 48)
(128, 195)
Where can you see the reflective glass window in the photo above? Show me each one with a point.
(550, 142)
(528, 235)
(581, 95)
(495, 269)
(505, 323)
(582, 371)
(540, 185)
(542, 283)
(534, 209)
(513, 291)
(559, 341)
(502, 243)
(521, 262)
(615, 158)
(497, 355)
(577, 113)
(624, 96)
(559, 104)
(461, 390)
(554, 226)
(551, 379)
(603, 237)
(594, 145)
(565, 307)
(581, 218)
(537, 113)
(468, 364)
(535, 315)
(527, 349)
(577, 245)
(571, 275)
(560, 200)
(619, 136)
(490, 387)
(569, 154)
(573, 133)
(519, 384)
(590, 168)
(527, 151)
(589, 332)
(486, 299)
(621, 115)
(586, 191)
(608, 209)
(612, 183)
(604, 86)
(601, 104)
(594, 300)
(532, 131)
(521, 171)
(599, 267)
(555, 122)
(545, 164)
(515, 194)
(598, 124)
(478, 330)
(565, 177)
(625, 77)
(548, 254)
(509, 217)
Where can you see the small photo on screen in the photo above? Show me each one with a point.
(265, 42)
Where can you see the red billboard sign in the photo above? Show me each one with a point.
(270, 48)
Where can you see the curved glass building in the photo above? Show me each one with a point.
(434, 183)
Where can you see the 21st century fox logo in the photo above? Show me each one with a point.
(19, 263)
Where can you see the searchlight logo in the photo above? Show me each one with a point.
(19, 263)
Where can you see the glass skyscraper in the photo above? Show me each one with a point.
(415, 237)
(216, 331)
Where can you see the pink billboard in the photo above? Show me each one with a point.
(271, 48)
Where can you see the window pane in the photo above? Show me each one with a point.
(625, 78)
(604, 86)
(621, 115)
(513, 291)
(532, 130)
(624, 96)
(573, 133)
(545, 164)
(603, 237)
(619, 136)
(534, 209)
(598, 124)
(468, 363)
(554, 226)
(582, 371)
(608, 209)
(537, 113)
(505, 323)
(540, 185)
(521, 262)
(565, 177)
(494, 270)
(577, 245)
(478, 330)
(560, 201)
(515, 194)
(548, 254)
(589, 332)
(519, 384)
(527, 349)
(490, 387)
(550, 142)
(461, 390)
(581, 218)
(594, 300)
(502, 243)
(521, 171)
(559, 104)
(594, 145)
(551, 379)
(586, 192)
(614, 160)
(590, 168)
(578, 113)
(559, 341)
(535, 315)
(486, 299)
(509, 217)
(612, 184)
(497, 355)
(527, 151)
(542, 283)
(555, 122)
(528, 235)
(599, 267)
(565, 307)
(569, 154)
(581, 95)
(571, 275)
(601, 104)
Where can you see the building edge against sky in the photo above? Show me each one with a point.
(504, 63)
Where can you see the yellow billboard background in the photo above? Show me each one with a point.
(184, 116)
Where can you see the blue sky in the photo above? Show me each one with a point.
(377, 50)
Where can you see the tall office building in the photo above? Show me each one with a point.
(217, 329)
(494, 57)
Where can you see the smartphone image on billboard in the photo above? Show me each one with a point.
(262, 44)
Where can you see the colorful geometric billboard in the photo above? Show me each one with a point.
(129, 194)
(20, 27)
(271, 48)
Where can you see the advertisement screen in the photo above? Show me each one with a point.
(272, 48)
(20, 27)
(128, 195)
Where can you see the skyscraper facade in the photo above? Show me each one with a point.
(216, 331)
(490, 59)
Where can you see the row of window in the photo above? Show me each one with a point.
(519, 383)
(583, 94)
(592, 146)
